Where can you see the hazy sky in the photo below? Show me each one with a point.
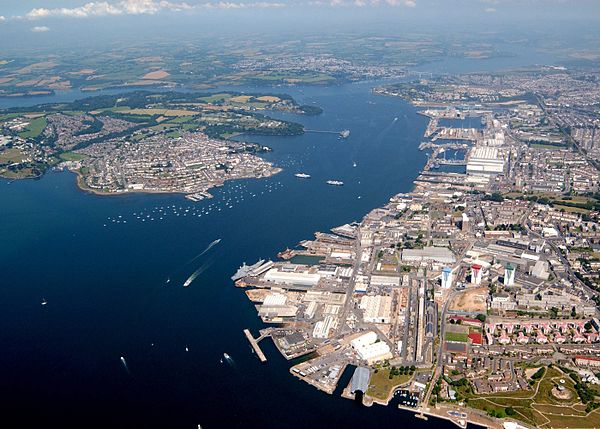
(28, 19)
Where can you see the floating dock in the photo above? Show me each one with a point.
(255, 346)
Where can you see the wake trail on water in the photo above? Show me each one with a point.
(196, 273)
(124, 362)
(210, 246)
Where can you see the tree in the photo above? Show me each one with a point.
(588, 326)
(481, 318)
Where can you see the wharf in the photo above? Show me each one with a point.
(460, 417)
(254, 344)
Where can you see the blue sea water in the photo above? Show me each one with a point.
(105, 282)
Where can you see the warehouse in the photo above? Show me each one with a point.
(377, 309)
(440, 255)
(370, 349)
(485, 160)
(292, 277)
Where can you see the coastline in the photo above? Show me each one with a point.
(461, 415)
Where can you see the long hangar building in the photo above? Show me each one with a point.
(485, 160)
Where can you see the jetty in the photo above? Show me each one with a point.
(254, 343)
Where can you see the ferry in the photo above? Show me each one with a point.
(335, 182)
(302, 175)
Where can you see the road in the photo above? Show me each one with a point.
(439, 363)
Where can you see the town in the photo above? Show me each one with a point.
(146, 142)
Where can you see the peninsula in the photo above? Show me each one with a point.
(146, 141)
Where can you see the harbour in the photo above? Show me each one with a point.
(147, 316)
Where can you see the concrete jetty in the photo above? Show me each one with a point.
(255, 346)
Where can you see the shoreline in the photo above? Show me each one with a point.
(461, 415)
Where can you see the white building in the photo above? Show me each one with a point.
(324, 327)
(509, 275)
(447, 278)
(377, 309)
(385, 281)
(369, 349)
(441, 255)
(476, 274)
(275, 275)
(485, 160)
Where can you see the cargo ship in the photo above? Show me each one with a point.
(335, 182)
(302, 175)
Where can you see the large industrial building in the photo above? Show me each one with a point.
(378, 308)
(485, 160)
(370, 349)
(440, 255)
(299, 278)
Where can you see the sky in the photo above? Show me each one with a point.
(30, 20)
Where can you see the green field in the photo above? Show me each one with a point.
(571, 209)
(71, 156)
(216, 97)
(546, 146)
(456, 336)
(381, 386)
(11, 156)
(34, 129)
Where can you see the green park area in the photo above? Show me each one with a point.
(34, 129)
(556, 400)
(456, 336)
(385, 380)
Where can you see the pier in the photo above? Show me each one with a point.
(254, 343)
(343, 134)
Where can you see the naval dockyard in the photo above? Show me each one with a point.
(465, 286)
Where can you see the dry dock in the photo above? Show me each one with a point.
(255, 346)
